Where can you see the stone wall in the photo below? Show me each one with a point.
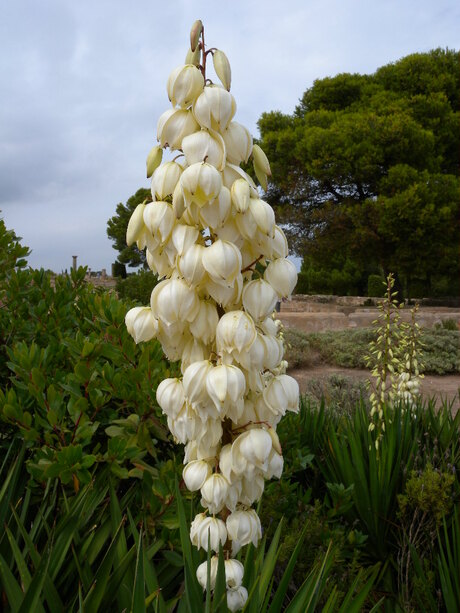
(321, 313)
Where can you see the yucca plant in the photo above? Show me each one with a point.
(267, 594)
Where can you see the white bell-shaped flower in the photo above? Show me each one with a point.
(185, 84)
(159, 219)
(170, 396)
(244, 527)
(234, 572)
(235, 332)
(202, 574)
(195, 474)
(273, 353)
(282, 276)
(214, 108)
(215, 213)
(229, 232)
(255, 445)
(165, 179)
(222, 261)
(194, 381)
(226, 386)
(176, 301)
(175, 125)
(236, 598)
(214, 492)
(208, 532)
(282, 394)
(274, 466)
(238, 141)
(263, 216)
(194, 351)
(200, 183)
(186, 426)
(203, 146)
(252, 489)
(254, 358)
(183, 237)
(259, 299)
(141, 324)
(203, 327)
(191, 264)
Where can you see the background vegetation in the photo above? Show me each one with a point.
(366, 174)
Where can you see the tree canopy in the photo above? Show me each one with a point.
(366, 175)
(116, 230)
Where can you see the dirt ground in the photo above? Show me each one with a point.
(439, 387)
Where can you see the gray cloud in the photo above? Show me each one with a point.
(83, 84)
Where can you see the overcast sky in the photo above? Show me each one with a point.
(82, 85)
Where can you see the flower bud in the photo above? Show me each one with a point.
(261, 160)
(193, 57)
(185, 84)
(222, 68)
(154, 160)
(136, 225)
(195, 474)
(141, 324)
(175, 125)
(282, 276)
(164, 180)
(231, 173)
(214, 108)
(236, 598)
(170, 396)
(195, 34)
(214, 492)
(240, 193)
(238, 141)
(200, 183)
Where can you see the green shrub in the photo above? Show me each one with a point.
(376, 286)
(346, 348)
(137, 287)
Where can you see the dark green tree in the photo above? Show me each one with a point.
(366, 174)
(116, 230)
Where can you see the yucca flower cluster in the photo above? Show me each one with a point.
(223, 263)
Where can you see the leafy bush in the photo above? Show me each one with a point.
(137, 287)
(337, 483)
(347, 348)
(376, 286)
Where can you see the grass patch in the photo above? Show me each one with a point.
(347, 348)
